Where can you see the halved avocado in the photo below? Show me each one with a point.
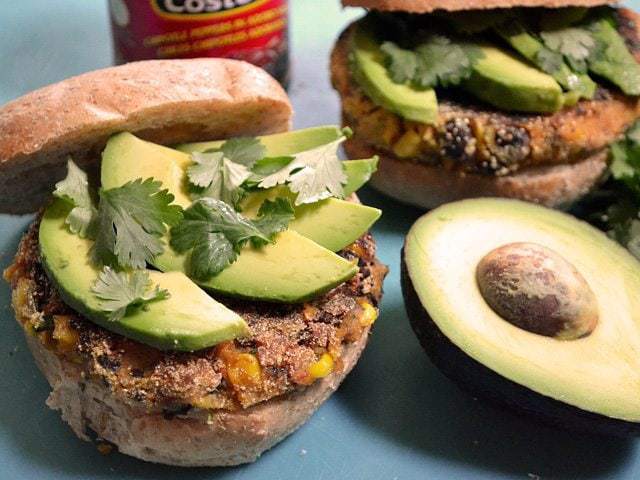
(188, 320)
(585, 378)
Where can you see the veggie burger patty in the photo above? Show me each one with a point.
(290, 346)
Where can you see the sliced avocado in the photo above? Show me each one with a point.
(506, 82)
(584, 374)
(358, 173)
(614, 62)
(331, 223)
(280, 144)
(127, 158)
(367, 65)
(291, 270)
(188, 320)
(532, 49)
(298, 268)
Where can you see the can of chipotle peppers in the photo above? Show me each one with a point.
(252, 30)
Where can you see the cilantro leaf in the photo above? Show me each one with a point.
(576, 44)
(549, 61)
(131, 221)
(442, 62)
(75, 190)
(218, 177)
(211, 254)
(215, 233)
(314, 175)
(274, 216)
(243, 150)
(120, 291)
(621, 215)
(401, 63)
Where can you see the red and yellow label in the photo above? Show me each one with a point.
(250, 30)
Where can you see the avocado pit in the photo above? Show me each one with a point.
(534, 288)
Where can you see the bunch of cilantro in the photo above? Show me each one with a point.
(130, 224)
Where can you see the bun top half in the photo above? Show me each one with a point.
(164, 101)
(427, 6)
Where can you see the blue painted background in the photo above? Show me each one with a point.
(395, 416)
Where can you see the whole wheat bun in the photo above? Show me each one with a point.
(425, 186)
(165, 101)
(221, 438)
(426, 6)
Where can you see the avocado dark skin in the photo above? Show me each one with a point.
(479, 380)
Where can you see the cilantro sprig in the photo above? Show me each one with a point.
(437, 60)
(131, 221)
(214, 233)
(616, 206)
(75, 190)
(119, 292)
(314, 175)
(220, 173)
(576, 44)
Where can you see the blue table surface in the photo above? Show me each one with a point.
(395, 416)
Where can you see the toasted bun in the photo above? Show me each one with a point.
(220, 438)
(165, 101)
(426, 186)
(426, 6)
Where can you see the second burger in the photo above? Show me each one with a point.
(476, 100)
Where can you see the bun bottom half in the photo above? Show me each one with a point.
(425, 186)
(216, 438)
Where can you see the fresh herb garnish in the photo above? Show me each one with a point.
(215, 233)
(75, 190)
(314, 175)
(274, 216)
(218, 177)
(575, 44)
(435, 61)
(243, 150)
(616, 207)
(401, 63)
(219, 173)
(131, 221)
(120, 291)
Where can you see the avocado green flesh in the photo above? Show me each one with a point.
(280, 144)
(293, 269)
(127, 158)
(331, 223)
(367, 64)
(188, 320)
(599, 373)
(529, 47)
(508, 83)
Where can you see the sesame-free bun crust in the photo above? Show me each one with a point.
(425, 186)
(165, 101)
(218, 438)
(426, 6)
